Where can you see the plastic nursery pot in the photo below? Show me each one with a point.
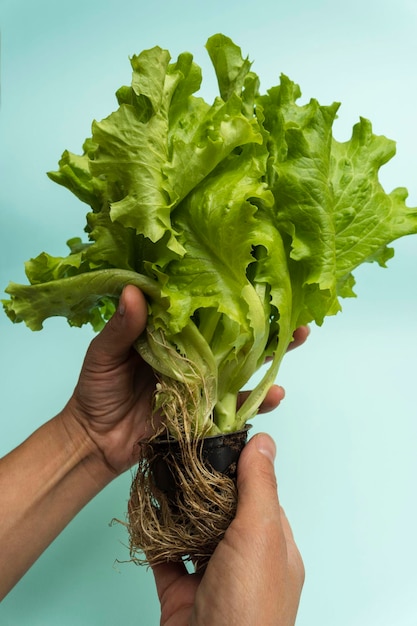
(183, 498)
(219, 453)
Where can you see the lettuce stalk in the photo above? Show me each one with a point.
(240, 220)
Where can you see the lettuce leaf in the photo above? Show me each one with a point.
(239, 220)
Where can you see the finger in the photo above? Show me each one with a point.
(299, 337)
(127, 323)
(272, 399)
(256, 482)
(166, 575)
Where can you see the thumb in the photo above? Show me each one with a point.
(256, 481)
(127, 323)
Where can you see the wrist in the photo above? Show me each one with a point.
(44, 483)
(84, 449)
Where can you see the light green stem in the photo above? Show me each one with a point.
(252, 403)
(225, 413)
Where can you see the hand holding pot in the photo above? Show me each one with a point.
(256, 574)
(77, 453)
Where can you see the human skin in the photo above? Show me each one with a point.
(256, 574)
(74, 455)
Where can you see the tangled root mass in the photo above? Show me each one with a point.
(180, 506)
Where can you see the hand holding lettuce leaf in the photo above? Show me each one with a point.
(240, 220)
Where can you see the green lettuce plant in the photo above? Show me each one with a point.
(240, 220)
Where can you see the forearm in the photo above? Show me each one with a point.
(44, 483)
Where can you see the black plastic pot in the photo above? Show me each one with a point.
(219, 453)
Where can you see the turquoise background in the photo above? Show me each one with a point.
(346, 432)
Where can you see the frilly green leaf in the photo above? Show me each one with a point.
(240, 219)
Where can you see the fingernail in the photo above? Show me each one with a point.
(266, 446)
